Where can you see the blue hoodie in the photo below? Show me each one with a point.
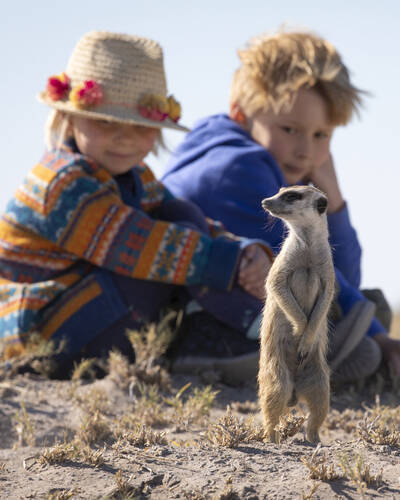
(227, 174)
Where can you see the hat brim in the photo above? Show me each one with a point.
(112, 113)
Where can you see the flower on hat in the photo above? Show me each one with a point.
(175, 109)
(154, 107)
(86, 94)
(157, 107)
(57, 87)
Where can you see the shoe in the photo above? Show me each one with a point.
(363, 361)
(205, 344)
(349, 332)
(235, 370)
(383, 311)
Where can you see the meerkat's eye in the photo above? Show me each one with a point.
(321, 204)
(291, 196)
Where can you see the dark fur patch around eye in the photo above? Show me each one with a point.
(320, 205)
(291, 196)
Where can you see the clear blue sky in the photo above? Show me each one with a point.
(200, 41)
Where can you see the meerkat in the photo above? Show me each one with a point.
(299, 291)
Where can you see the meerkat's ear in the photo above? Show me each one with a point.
(320, 204)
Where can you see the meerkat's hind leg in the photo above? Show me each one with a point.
(316, 393)
(274, 399)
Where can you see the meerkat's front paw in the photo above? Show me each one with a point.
(303, 351)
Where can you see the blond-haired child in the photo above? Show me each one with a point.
(291, 91)
(92, 244)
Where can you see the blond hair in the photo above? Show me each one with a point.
(275, 66)
(57, 130)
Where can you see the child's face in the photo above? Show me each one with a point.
(300, 139)
(116, 146)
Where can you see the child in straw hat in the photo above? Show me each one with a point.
(290, 92)
(92, 243)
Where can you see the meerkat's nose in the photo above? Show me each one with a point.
(266, 203)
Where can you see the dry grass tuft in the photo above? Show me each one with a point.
(309, 495)
(141, 436)
(245, 407)
(92, 401)
(124, 489)
(318, 466)
(84, 370)
(37, 356)
(119, 368)
(94, 428)
(346, 420)
(24, 427)
(61, 494)
(228, 431)
(195, 408)
(57, 454)
(375, 432)
(148, 407)
(150, 344)
(389, 416)
(228, 494)
(71, 452)
(289, 425)
(357, 471)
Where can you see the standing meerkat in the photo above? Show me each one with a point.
(299, 291)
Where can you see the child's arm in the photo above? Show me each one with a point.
(83, 214)
(254, 266)
(343, 237)
(390, 351)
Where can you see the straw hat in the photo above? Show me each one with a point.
(115, 77)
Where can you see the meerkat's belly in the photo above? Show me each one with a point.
(304, 284)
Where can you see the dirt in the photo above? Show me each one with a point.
(36, 413)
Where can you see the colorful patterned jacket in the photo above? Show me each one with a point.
(67, 221)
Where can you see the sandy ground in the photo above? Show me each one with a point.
(189, 437)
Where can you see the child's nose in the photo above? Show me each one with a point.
(303, 148)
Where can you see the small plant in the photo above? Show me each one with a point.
(60, 494)
(359, 472)
(92, 457)
(119, 368)
(228, 431)
(57, 454)
(73, 451)
(309, 495)
(84, 370)
(375, 432)
(318, 467)
(246, 407)
(200, 402)
(196, 407)
(24, 427)
(148, 406)
(126, 490)
(142, 436)
(150, 344)
(289, 425)
(346, 420)
(94, 428)
(92, 401)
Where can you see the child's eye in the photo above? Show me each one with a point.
(105, 123)
(321, 135)
(288, 130)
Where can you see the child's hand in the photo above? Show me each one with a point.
(325, 179)
(390, 351)
(253, 270)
